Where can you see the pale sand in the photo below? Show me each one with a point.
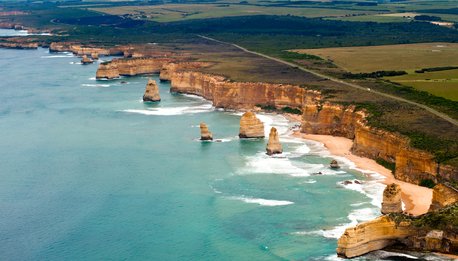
(416, 199)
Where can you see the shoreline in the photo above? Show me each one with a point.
(417, 199)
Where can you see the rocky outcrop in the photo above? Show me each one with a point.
(95, 55)
(274, 145)
(19, 45)
(81, 50)
(392, 202)
(151, 92)
(205, 134)
(443, 196)
(334, 164)
(251, 126)
(372, 235)
(86, 60)
(130, 67)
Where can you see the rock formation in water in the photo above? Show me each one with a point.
(334, 164)
(19, 45)
(274, 145)
(151, 92)
(205, 134)
(392, 202)
(371, 235)
(86, 60)
(95, 55)
(251, 126)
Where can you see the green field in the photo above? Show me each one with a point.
(176, 12)
(406, 57)
(441, 83)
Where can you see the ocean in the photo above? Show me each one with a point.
(90, 172)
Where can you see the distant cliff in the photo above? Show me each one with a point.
(130, 67)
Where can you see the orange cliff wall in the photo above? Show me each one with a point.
(241, 95)
(412, 165)
(130, 67)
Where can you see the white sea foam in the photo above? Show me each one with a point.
(92, 79)
(55, 56)
(355, 217)
(264, 164)
(263, 202)
(173, 110)
(96, 85)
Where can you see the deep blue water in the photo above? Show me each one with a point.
(89, 172)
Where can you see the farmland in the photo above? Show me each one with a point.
(407, 57)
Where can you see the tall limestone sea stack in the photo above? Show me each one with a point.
(151, 92)
(251, 126)
(205, 134)
(86, 60)
(274, 145)
(392, 202)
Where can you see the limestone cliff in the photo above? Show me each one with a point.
(274, 145)
(151, 92)
(18, 45)
(251, 126)
(443, 196)
(81, 50)
(241, 95)
(392, 202)
(130, 67)
(169, 68)
(371, 235)
(205, 134)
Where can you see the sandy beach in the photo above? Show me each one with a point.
(416, 199)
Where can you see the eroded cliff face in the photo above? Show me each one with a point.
(443, 196)
(81, 50)
(130, 67)
(371, 235)
(18, 45)
(241, 95)
(169, 68)
(411, 165)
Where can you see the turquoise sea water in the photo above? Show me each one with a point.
(89, 172)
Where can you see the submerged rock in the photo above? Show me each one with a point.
(274, 145)
(86, 60)
(334, 164)
(392, 202)
(251, 126)
(204, 133)
(151, 92)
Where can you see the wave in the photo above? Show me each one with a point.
(55, 56)
(96, 85)
(263, 202)
(173, 110)
(355, 217)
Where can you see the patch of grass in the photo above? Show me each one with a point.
(291, 110)
(389, 165)
(429, 183)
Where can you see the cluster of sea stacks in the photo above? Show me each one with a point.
(250, 127)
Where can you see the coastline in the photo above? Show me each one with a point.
(417, 199)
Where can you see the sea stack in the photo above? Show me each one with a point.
(334, 164)
(151, 92)
(204, 133)
(251, 126)
(274, 145)
(86, 60)
(392, 199)
(95, 56)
